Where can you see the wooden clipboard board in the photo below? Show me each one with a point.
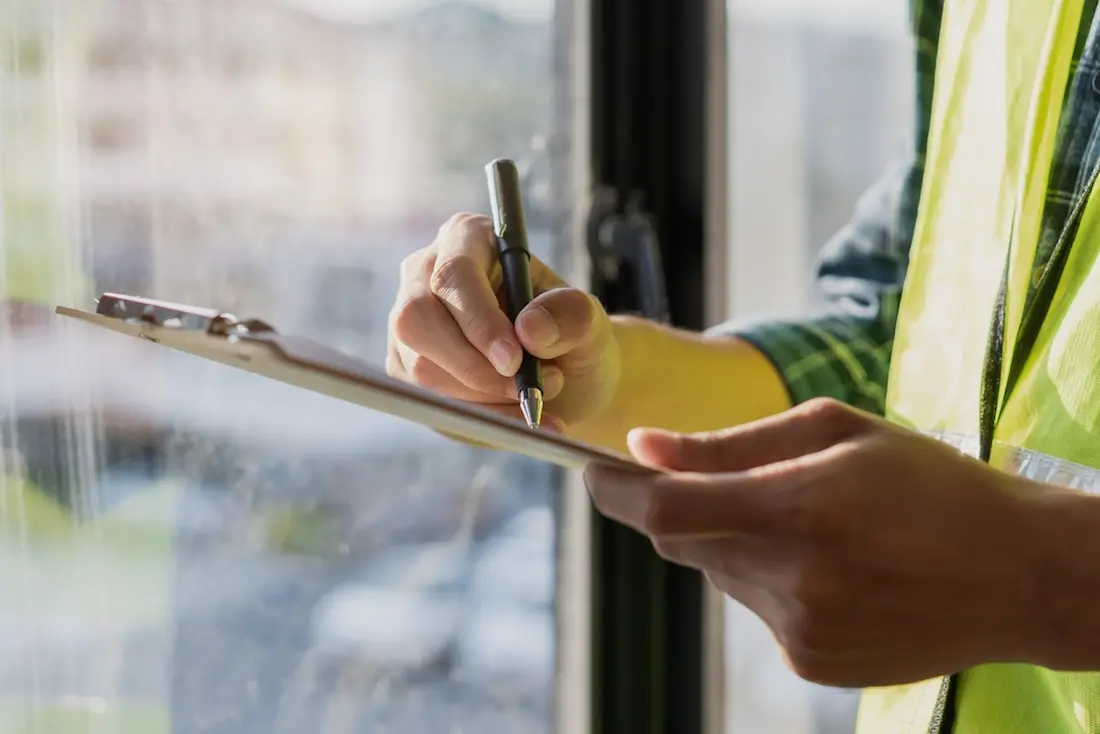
(254, 346)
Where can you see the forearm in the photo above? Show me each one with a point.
(683, 382)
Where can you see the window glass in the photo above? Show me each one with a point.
(820, 105)
(187, 548)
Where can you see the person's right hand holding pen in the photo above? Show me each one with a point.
(601, 376)
(449, 331)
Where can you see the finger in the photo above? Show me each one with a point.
(762, 602)
(746, 557)
(757, 599)
(806, 429)
(422, 324)
(698, 506)
(565, 322)
(423, 372)
(427, 374)
(543, 278)
(827, 666)
(465, 258)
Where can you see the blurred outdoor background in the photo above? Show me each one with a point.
(186, 548)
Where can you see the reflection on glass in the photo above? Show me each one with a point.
(188, 548)
(820, 102)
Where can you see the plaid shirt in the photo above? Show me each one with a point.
(844, 352)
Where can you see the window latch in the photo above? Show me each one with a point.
(628, 274)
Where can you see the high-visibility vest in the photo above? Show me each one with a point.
(1003, 69)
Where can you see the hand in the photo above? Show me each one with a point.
(875, 555)
(448, 331)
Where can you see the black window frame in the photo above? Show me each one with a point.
(650, 127)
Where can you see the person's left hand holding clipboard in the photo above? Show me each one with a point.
(449, 332)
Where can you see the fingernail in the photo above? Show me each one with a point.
(505, 356)
(634, 439)
(540, 326)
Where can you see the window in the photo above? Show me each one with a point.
(186, 548)
(345, 298)
(26, 53)
(107, 135)
(117, 49)
(820, 103)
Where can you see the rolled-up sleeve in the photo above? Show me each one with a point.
(843, 351)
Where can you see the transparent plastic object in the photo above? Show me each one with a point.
(1026, 463)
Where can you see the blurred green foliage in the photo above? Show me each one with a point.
(42, 718)
(297, 529)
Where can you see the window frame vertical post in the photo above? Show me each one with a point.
(657, 107)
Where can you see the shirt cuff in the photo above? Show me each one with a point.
(838, 357)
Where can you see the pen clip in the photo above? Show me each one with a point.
(136, 310)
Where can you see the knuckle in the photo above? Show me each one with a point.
(448, 274)
(585, 310)
(665, 549)
(410, 316)
(808, 666)
(477, 328)
(580, 308)
(452, 224)
(464, 225)
(827, 409)
(419, 369)
(657, 517)
(414, 266)
(814, 594)
(469, 375)
(815, 622)
(834, 418)
(807, 636)
(478, 223)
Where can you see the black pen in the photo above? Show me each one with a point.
(515, 263)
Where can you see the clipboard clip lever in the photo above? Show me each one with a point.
(136, 310)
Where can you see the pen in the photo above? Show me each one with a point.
(515, 264)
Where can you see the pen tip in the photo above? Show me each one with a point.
(530, 403)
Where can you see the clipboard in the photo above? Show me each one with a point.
(255, 346)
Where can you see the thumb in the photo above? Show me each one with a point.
(806, 429)
(566, 324)
(704, 453)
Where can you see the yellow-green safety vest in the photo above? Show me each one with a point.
(1002, 71)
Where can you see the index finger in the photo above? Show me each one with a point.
(676, 507)
(465, 277)
(462, 279)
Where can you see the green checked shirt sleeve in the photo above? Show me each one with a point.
(844, 352)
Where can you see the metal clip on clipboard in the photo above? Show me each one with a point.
(136, 310)
(255, 346)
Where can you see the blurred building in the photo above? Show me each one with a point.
(155, 137)
(155, 129)
(820, 106)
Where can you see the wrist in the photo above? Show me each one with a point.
(608, 426)
(1064, 631)
(682, 382)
